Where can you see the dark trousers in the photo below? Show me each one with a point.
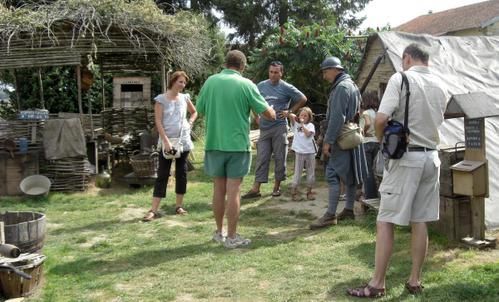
(164, 173)
(370, 187)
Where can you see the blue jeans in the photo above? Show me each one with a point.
(370, 188)
(333, 181)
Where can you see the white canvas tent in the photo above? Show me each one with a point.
(464, 64)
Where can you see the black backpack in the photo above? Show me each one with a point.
(396, 135)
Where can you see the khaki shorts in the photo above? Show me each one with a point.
(227, 164)
(410, 189)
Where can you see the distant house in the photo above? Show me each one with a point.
(480, 19)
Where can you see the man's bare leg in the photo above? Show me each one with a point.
(384, 247)
(233, 205)
(419, 248)
(219, 191)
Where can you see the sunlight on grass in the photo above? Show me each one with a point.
(98, 250)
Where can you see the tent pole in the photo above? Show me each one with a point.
(40, 82)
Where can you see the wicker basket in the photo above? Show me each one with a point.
(144, 165)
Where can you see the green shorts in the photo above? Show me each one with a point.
(227, 164)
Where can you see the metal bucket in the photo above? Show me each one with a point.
(35, 185)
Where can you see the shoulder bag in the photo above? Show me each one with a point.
(395, 134)
(350, 135)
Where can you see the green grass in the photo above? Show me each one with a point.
(98, 250)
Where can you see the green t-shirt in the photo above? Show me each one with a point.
(226, 100)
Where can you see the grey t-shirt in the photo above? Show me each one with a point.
(280, 97)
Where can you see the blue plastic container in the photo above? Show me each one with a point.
(23, 145)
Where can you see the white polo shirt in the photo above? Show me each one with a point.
(427, 104)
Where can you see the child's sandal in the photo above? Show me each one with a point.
(310, 195)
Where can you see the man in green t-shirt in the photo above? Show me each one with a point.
(226, 100)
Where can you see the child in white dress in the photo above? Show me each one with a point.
(305, 151)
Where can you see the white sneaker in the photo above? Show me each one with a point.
(218, 237)
(236, 242)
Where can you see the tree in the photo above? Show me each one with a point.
(255, 20)
(301, 50)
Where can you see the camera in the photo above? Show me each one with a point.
(172, 151)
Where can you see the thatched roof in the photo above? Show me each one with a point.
(122, 35)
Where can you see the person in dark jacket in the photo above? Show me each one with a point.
(346, 166)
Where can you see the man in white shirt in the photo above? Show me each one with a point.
(410, 187)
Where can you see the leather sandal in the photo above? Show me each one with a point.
(180, 210)
(414, 290)
(150, 216)
(360, 292)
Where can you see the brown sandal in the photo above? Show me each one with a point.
(150, 216)
(414, 290)
(180, 210)
(360, 292)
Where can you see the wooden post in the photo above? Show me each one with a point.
(78, 83)
(163, 77)
(102, 84)
(2, 234)
(40, 82)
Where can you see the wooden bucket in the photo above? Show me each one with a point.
(26, 230)
(15, 286)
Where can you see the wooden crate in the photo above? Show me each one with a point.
(455, 218)
(14, 170)
(448, 157)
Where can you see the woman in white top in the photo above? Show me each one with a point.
(368, 108)
(305, 151)
(170, 116)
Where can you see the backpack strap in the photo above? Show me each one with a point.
(407, 95)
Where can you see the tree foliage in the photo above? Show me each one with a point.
(253, 20)
(301, 50)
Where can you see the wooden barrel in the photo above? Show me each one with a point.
(26, 230)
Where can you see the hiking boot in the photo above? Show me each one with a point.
(325, 221)
(237, 241)
(346, 214)
(218, 237)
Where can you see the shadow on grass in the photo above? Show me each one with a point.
(96, 226)
(139, 260)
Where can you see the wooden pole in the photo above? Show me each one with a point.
(102, 84)
(40, 82)
(2, 234)
(78, 83)
(163, 77)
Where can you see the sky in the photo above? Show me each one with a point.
(397, 12)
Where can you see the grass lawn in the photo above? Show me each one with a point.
(98, 250)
